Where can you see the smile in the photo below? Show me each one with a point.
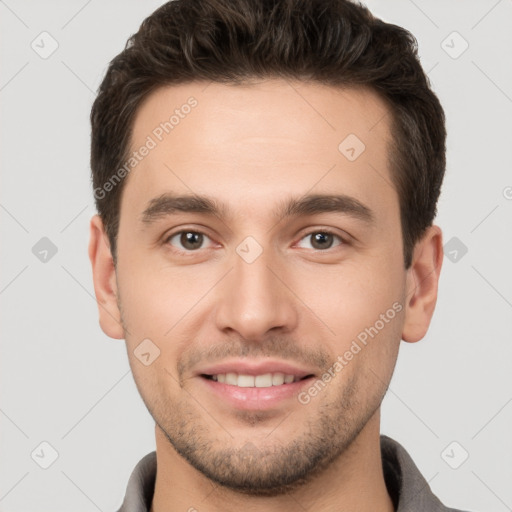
(265, 380)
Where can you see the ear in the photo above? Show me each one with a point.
(422, 284)
(104, 277)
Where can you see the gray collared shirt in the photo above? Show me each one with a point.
(408, 489)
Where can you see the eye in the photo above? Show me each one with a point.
(323, 239)
(193, 240)
(190, 240)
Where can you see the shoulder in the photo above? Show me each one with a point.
(406, 485)
(141, 486)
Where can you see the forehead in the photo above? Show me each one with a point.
(250, 144)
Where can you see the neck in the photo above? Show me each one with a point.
(355, 481)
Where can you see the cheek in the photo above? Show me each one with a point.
(363, 306)
(162, 304)
(156, 296)
(351, 296)
(156, 383)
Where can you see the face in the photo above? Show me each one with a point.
(273, 309)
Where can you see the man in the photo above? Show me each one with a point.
(266, 175)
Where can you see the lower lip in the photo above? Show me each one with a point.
(256, 398)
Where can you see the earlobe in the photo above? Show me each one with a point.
(422, 284)
(104, 278)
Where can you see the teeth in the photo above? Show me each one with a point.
(277, 379)
(231, 378)
(265, 380)
(245, 381)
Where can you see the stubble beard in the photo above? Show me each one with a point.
(269, 469)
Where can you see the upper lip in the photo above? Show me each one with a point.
(255, 367)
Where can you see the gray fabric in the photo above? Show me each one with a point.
(408, 489)
(141, 486)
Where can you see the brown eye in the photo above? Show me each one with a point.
(188, 240)
(191, 240)
(322, 240)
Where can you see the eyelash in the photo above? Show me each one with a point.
(325, 231)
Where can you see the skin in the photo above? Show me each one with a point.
(250, 147)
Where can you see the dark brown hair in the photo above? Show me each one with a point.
(333, 42)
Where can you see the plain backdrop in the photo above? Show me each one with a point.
(64, 383)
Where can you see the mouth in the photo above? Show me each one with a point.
(255, 384)
(264, 380)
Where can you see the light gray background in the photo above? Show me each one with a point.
(65, 382)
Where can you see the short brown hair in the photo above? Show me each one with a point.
(333, 42)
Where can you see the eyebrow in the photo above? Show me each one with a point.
(170, 204)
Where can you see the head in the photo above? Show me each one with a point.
(257, 111)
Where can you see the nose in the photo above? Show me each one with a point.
(255, 298)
